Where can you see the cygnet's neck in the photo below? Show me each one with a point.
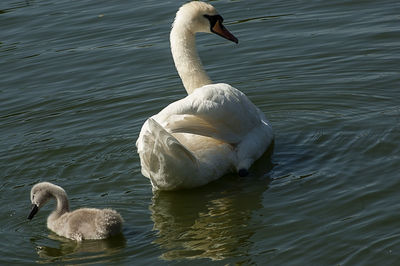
(62, 202)
(187, 61)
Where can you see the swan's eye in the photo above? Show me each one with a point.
(213, 19)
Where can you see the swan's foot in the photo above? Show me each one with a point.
(243, 172)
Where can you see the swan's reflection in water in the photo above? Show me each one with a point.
(60, 249)
(212, 222)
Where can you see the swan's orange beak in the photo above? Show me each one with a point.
(219, 29)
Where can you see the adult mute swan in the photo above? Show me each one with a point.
(85, 223)
(214, 130)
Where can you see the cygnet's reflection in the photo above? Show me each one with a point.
(62, 249)
(212, 222)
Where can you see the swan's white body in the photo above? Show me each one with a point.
(215, 130)
(84, 223)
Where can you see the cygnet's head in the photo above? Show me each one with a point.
(198, 16)
(40, 194)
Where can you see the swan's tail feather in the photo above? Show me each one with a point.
(163, 158)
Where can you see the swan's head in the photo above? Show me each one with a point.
(198, 16)
(40, 194)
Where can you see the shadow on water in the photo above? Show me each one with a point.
(60, 249)
(214, 221)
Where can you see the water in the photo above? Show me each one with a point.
(79, 78)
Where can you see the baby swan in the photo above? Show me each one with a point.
(84, 223)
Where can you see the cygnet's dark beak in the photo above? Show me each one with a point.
(34, 210)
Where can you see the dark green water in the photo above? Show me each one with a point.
(79, 78)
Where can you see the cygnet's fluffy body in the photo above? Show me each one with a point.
(84, 223)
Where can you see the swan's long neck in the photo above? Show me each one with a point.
(187, 61)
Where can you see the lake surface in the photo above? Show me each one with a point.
(79, 78)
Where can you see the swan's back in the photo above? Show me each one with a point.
(213, 131)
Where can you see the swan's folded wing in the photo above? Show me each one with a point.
(197, 125)
(157, 149)
(158, 136)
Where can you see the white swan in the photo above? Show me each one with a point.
(85, 223)
(214, 130)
